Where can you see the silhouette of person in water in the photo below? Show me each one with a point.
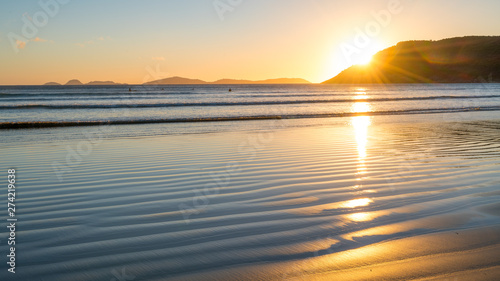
(130, 89)
(230, 90)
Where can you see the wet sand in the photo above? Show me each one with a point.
(358, 198)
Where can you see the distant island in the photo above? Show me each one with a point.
(104, 83)
(180, 80)
(187, 81)
(469, 59)
(76, 82)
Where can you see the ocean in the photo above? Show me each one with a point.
(263, 182)
(38, 106)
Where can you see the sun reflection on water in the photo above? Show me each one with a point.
(360, 96)
(360, 107)
(360, 125)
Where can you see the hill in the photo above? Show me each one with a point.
(103, 83)
(176, 81)
(187, 81)
(76, 82)
(455, 60)
(268, 81)
(73, 82)
(180, 80)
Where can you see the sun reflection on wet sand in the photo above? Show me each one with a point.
(360, 217)
(361, 124)
(362, 202)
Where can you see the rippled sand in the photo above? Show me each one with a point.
(362, 198)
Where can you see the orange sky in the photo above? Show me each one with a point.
(138, 41)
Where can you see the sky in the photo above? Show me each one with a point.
(139, 41)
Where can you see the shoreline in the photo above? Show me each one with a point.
(54, 124)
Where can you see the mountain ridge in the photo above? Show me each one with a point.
(76, 82)
(467, 59)
(176, 80)
(180, 80)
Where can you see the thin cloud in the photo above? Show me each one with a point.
(158, 58)
(93, 41)
(20, 44)
(86, 43)
(38, 39)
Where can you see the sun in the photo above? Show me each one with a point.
(365, 55)
(365, 59)
(341, 59)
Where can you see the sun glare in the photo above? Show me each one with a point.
(365, 59)
(365, 55)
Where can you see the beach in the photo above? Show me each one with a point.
(232, 140)
(363, 197)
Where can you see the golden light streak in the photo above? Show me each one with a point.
(362, 202)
